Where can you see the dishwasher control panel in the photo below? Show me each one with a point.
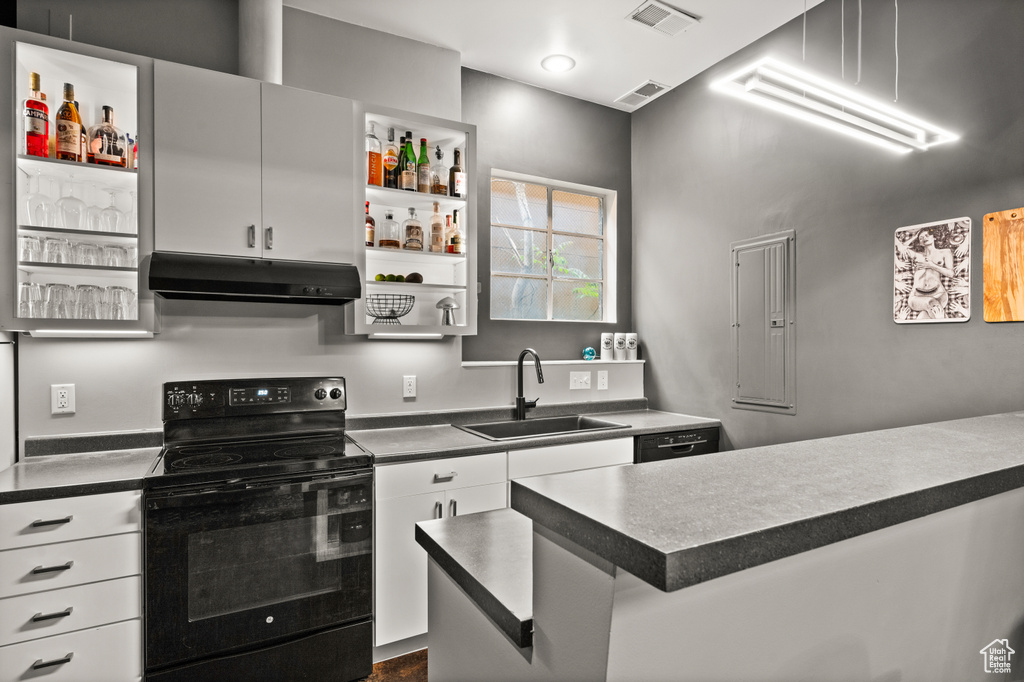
(659, 446)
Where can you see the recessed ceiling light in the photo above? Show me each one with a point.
(558, 63)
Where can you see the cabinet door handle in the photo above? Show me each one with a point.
(39, 523)
(438, 510)
(52, 569)
(57, 661)
(252, 236)
(268, 238)
(438, 478)
(453, 508)
(50, 616)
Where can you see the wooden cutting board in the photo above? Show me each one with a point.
(1004, 266)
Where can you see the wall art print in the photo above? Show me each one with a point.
(932, 272)
(1003, 265)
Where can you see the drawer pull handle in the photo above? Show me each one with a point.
(438, 510)
(252, 236)
(438, 478)
(39, 523)
(57, 661)
(677, 445)
(268, 238)
(453, 508)
(50, 616)
(52, 569)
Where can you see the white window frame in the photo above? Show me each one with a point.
(609, 267)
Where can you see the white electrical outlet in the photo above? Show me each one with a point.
(602, 380)
(409, 386)
(62, 398)
(578, 380)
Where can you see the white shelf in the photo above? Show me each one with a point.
(403, 199)
(409, 256)
(410, 287)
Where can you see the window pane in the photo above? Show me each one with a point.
(519, 203)
(518, 251)
(578, 301)
(571, 212)
(577, 257)
(519, 298)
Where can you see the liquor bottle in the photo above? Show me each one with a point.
(413, 231)
(439, 174)
(456, 177)
(457, 243)
(135, 153)
(449, 233)
(401, 163)
(36, 116)
(83, 148)
(436, 230)
(390, 237)
(423, 168)
(107, 145)
(69, 127)
(374, 167)
(390, 161)
(408, 177)
(371, 226)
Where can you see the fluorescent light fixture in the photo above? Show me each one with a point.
(90, 334)
(778, 86)
(558, 63)
(398, 335)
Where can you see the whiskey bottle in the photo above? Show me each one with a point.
(36, 117)
(456, 177)
(390, 161)
(436, 230)
(390, 237)
(374, 166)
(408, 178)
(69, 127)
(423, 168)
(371, 226)
(107, 145)
(439, 174)
(413, 231)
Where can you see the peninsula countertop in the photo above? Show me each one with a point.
(685, 521)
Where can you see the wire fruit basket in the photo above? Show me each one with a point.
(387, 308)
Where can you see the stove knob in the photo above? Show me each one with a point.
(175, 400)
(335, 393)
(319, 394)
(194, 400)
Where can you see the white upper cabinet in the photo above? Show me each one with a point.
(251, 169)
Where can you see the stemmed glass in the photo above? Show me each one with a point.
(40, 210)
(111, 217)
(72, 209)
(133, 216)
(94, 214)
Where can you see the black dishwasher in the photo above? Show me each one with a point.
(659, 446)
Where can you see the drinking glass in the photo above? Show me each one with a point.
(40, 209)
(112, 218)
(71, 208)
(90, 302)
(30, 249)
(30, 300)
(60, 301)
(133, 215)
(119, 302)
(115, 256)
(87, 254)
(56, 250)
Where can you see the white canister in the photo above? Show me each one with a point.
(631, 344)
(607, 344)
(620, 346)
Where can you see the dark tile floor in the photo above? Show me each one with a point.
(408, 668)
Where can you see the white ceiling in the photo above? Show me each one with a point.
(613, 56)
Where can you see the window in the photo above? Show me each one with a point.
(551, 248)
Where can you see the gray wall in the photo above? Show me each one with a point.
(529, 130)
(709, 170)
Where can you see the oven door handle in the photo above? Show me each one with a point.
(331, 478)
(154, 498)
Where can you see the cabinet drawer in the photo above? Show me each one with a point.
(412, 478)
(86, 606)
(71, 518)
(570, 457)
(33, 569)
(112, 653)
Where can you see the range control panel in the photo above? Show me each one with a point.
(236, 397)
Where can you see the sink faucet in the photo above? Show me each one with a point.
(522, 404)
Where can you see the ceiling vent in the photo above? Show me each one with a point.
(661, 18)
(642, 94)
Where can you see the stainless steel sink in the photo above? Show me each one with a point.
(546, 426)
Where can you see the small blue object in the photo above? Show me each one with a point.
(589, 353)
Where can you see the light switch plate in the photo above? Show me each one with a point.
(579, 380)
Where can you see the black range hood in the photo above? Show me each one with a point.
(222, 278)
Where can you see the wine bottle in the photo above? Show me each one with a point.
(374, 168)
(371, 226)
(423, 168)
(456, 177)
(69, 127)
(390, 161)
(408, 177)
(36, 116)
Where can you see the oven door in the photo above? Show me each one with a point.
(243, 564)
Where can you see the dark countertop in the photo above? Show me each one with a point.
(48, 477)
(490, 556)
(410, 443)
(685, 521)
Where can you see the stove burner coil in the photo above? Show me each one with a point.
(206, 459)
(299, 451)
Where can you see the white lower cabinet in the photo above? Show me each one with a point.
(71, 589)
(419, 491)
(570, 457)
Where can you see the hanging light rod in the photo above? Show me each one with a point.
(776, 85)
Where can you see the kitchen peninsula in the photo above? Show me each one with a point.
(891, 554)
